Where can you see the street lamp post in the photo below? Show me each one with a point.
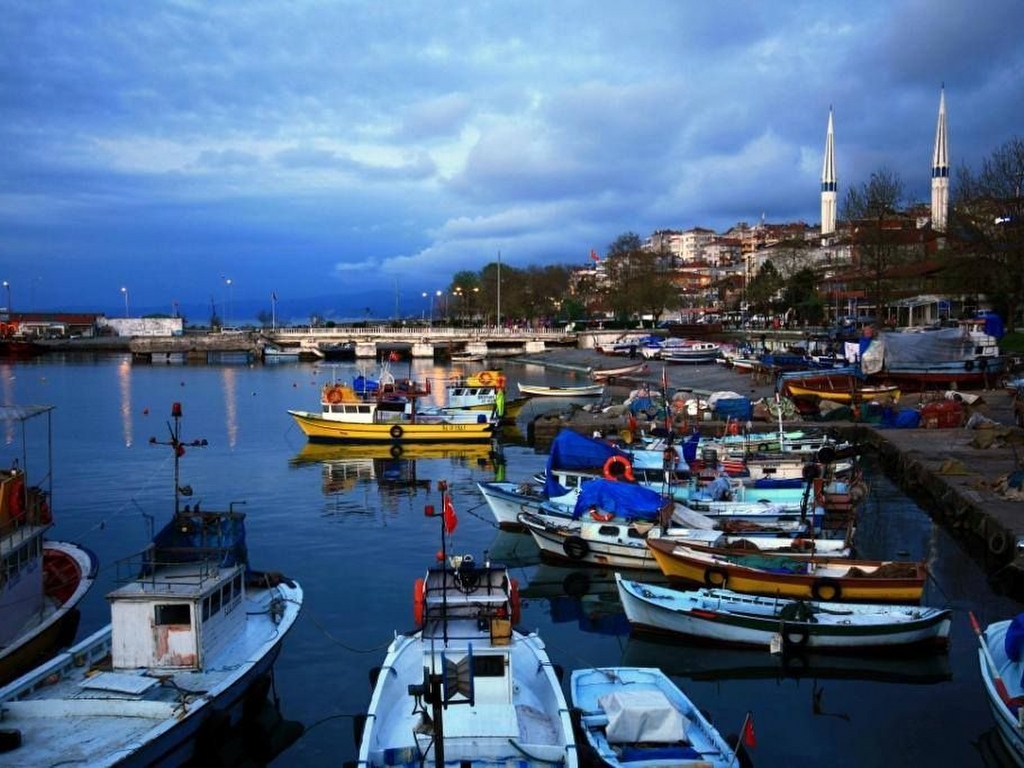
(124, 290)
(428, 303)
(7, 288)
(437, 294)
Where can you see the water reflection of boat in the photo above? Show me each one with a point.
(259, 738)
(587, 596)
(680, 658)
(516, 550)
(391, 466)
(480, 453)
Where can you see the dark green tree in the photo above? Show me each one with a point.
(987, 228)
(871, 210)
(763, 288)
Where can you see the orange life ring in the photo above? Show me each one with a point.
(601, 517)
(419, 596)
(485, 378)
(333, 395)
(618, 468)
(734, 428)
(517, 610)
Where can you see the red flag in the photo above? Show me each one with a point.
(749, 737)
(450, 518)
(594, 256)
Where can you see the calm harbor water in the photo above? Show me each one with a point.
(351, 528)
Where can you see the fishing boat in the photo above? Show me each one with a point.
(781, 624)
(603, 374)
(837, 387)
(1001, 657)
(273, 352)
(345, 417)
(818, 578)
(468, 357)
(466, 687)
(193, 633)
(610, 540)
(41, 581)
(585, 390)
(919, 358)
(637, 717)
(690, 351)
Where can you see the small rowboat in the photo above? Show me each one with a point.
(1001, 655)
(733, 618)
(818, 578)
(839, 388)
(586, 390)
(636, 716)
(603, 374)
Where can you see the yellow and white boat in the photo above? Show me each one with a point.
(346, 418)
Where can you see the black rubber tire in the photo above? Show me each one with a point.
(575, 548)
(396, 432)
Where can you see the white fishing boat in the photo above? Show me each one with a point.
(467, 687)
(635, 717)
(601, 538)
(41, 581)
(603, 374)
(690, 351)
(781, 624)
(193, 631)
(585, 390)
(1001, 657)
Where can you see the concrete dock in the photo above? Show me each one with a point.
(967, 478)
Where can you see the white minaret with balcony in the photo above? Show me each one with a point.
(940, 169)
(828, 183)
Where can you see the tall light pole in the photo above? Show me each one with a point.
(7, 288)
(498, 315)
(437, 294)
(227, 313)
(124, 290)
(428, 302)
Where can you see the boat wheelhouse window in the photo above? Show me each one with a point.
(237, 583)
(488, 666)
(225, 594)
(214, 602)
(635, 534)
(172, 613)
(608, 530)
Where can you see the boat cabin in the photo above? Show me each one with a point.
(177, 605)
(24, 518)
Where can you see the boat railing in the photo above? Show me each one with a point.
(195, 568)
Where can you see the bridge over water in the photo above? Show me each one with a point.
(370, 341)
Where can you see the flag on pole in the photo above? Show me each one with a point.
(450, 518)
(594, 256)
(273, 296)
(749, 737)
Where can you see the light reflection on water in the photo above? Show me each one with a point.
(349, 525)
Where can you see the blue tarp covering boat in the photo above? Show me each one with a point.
(633, 502)
(571, 450)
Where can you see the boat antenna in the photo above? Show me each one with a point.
(178, 446)
(430, 511)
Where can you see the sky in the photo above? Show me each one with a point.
(349, 157)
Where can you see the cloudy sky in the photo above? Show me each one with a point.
(346, 155)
